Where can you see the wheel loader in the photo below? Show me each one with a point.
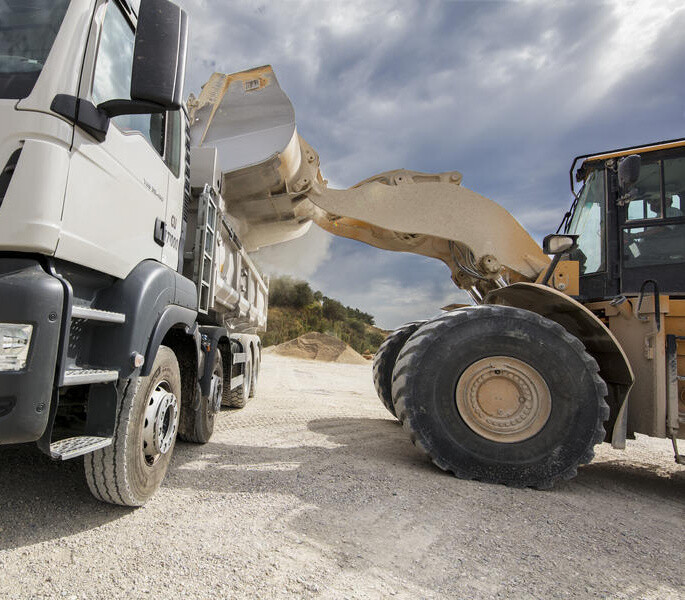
(564, 346)
(519, 387)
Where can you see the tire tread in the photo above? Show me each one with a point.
(421, 341)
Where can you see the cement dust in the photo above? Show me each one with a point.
(318, 346)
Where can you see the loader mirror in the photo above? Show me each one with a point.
(159, 55)
(628, 171)
(558, 244)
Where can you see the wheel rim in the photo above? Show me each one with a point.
(503, 399)
(161, 422)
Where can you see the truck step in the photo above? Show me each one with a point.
(86, 376)
(77, 446)
(93, 314)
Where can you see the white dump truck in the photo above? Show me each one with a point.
(128, 304)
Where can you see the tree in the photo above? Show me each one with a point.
(357, 326)
(334, 310)
(302, 295)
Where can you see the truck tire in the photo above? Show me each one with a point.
(131, 469)
(500, 395)
(384, 362)
(238, 397)
(198, 426)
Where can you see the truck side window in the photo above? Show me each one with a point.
(175, 142)
(112, 78)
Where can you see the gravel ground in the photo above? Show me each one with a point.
(313, 491)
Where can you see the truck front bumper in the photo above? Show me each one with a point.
(28, 296)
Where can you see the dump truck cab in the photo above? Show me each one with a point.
(111, 297)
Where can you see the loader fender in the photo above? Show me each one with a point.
(614, 367)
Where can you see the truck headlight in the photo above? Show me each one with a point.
(14, 348)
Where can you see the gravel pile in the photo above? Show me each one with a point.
(319, 346)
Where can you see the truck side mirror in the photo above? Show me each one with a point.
(159, 56)
(159, 61)
(628, 172)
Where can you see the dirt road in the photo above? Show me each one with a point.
(313, 491)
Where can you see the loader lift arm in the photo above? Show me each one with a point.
(433, 215)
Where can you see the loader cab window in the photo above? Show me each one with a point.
(588, 224)
(674, 187)
(112, 78)
(645, 197)
(654, 230)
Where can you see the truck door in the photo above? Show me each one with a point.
(174, 156)
(117, 189)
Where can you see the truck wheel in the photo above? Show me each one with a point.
(131, 470)
(238, 397)
(198, 426)
(384, 362)
(501, 395)
(256, 363)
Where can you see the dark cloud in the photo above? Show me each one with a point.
(505, 92)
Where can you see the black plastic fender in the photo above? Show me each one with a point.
(172, 316)
(154, 299)
(210, 342)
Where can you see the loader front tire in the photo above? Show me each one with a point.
(500, 395)
(384, 362)
(132, 468)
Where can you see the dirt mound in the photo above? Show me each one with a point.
(319, 346)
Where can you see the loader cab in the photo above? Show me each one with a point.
(632, 230)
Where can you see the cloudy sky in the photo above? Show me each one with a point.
(507, 93)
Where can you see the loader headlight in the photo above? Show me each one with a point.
(14, 346)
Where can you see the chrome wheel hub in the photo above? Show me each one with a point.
(161, 422)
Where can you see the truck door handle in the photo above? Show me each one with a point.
(160, 231)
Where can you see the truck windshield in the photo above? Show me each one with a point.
(588, 224)
(27, 31)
